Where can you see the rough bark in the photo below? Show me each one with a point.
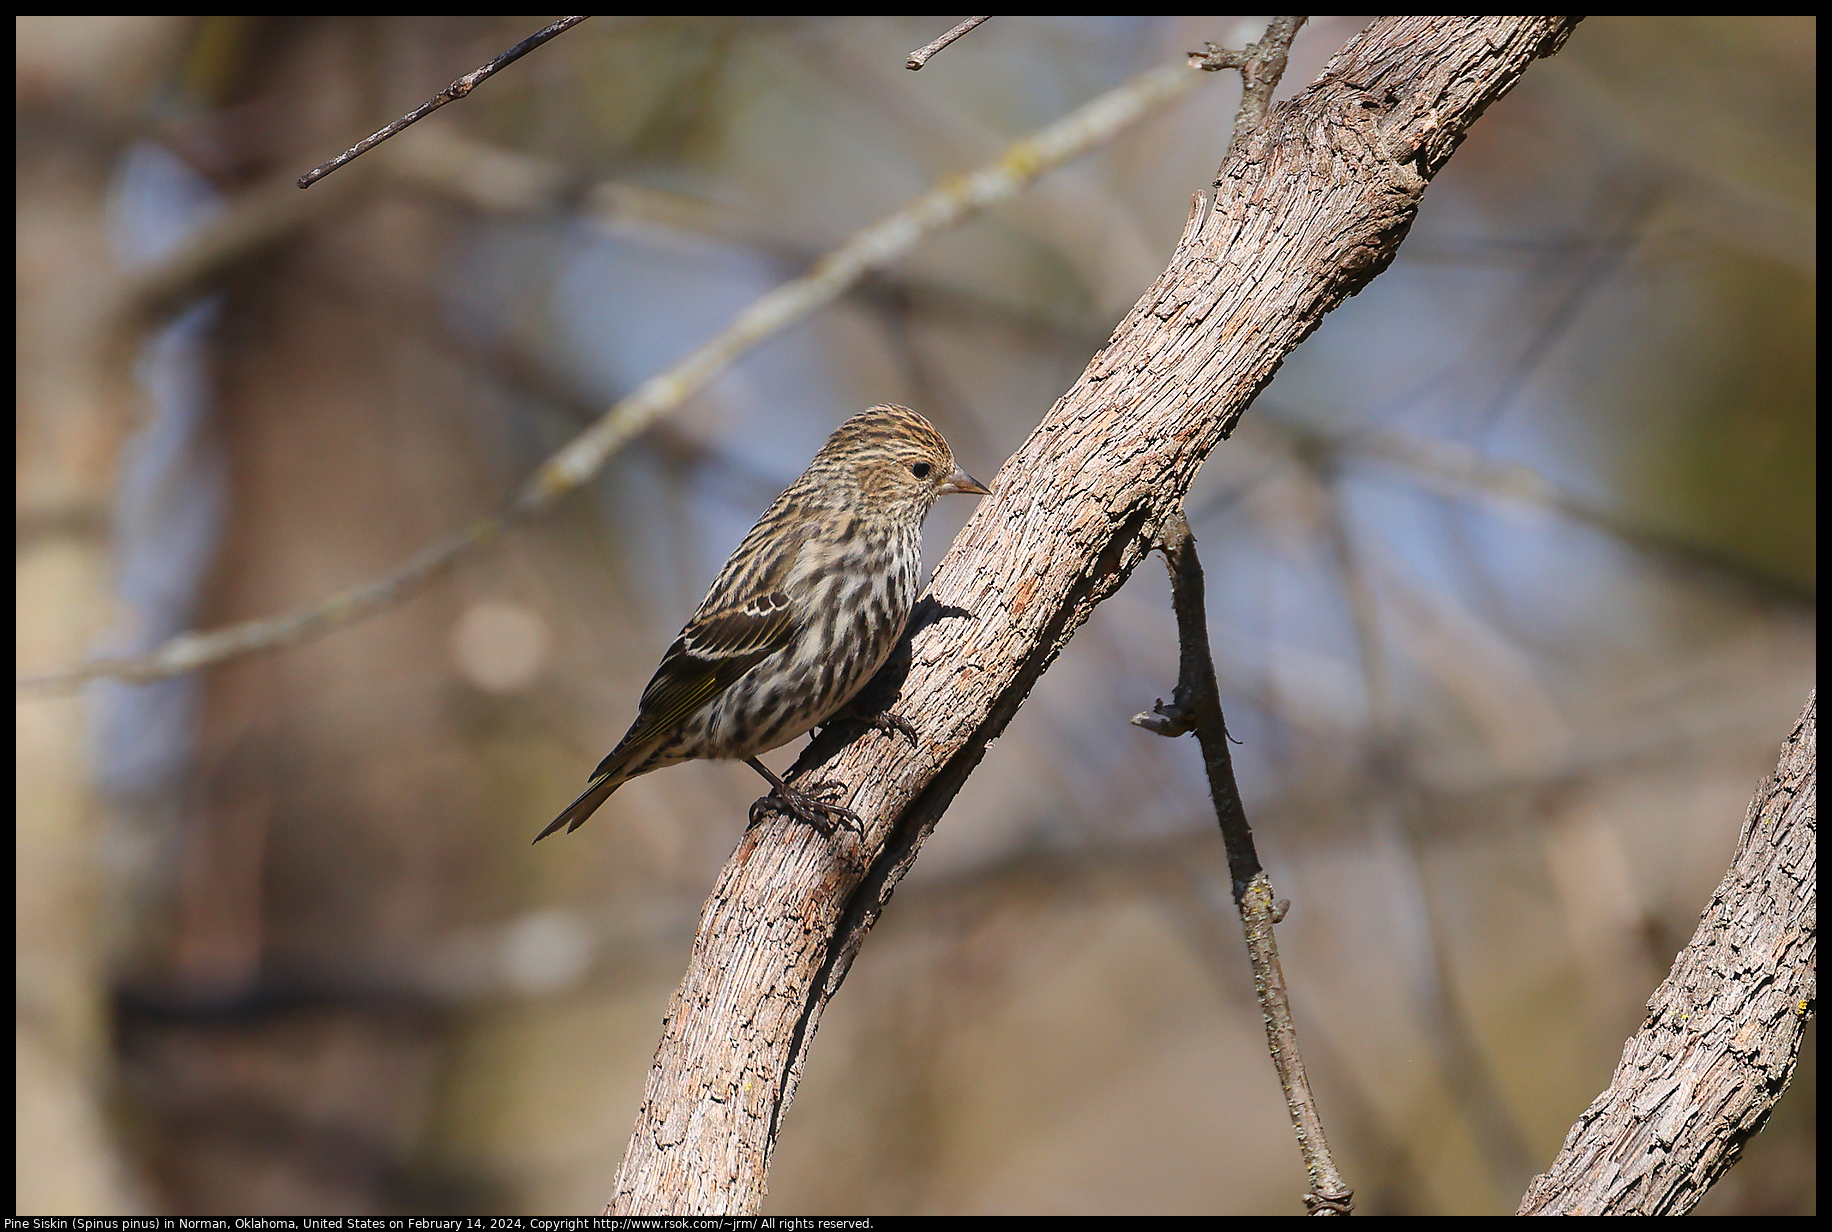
(1305, 212)
(1722, 1032)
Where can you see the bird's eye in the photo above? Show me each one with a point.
(919, 469)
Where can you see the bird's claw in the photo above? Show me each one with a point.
(882, 720)
(808, 808)
(886, 721)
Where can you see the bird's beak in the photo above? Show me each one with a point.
(961, 481)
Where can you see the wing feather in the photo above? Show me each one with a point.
(710, 654)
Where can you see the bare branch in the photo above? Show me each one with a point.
(1261, 65)
(190, 651)
(1315, 202)
(1722, 1034)
(1196, 706)
(477, 175)
(921, 55)
(495, 181)
(458, 89)
(956, 199)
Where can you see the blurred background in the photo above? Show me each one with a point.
(1511, 583)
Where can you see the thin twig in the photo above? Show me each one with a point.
(921, 55)
(1261, 65)
(1196, 706)
(956, 199)
(458, 89)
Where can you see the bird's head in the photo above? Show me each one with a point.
(893, 460)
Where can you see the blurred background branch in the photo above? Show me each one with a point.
(280, 943)
(581, 458)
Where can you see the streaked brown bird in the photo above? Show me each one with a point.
(803, 614)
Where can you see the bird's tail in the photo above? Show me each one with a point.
(596, 791)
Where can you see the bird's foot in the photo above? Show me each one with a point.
(880, 720)
(886, 721)
(809, 808)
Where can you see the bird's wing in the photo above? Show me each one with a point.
(712, 651)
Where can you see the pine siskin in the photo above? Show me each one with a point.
(803, 614)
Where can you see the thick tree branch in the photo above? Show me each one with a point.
(1306, 211)
(1722, 1032)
